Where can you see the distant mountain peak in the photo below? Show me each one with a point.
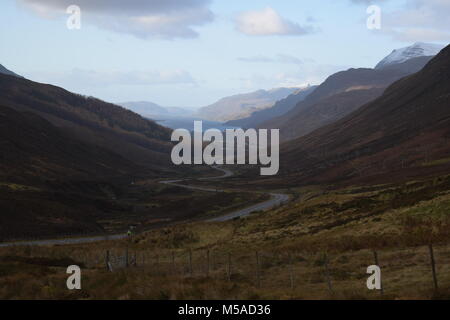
(418, 49)
(240, 106)
(8, 72)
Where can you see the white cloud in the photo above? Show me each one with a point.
(268, 22)
(167, 19)
(419, 20)
(311, 73)
(91, 78)
(366, 2)
(419, 34)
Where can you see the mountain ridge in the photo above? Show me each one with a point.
(418, 49)
(3, 70)
(295, 123)
(278, 109)
(242, 105)
(91, 120)
(386, 139)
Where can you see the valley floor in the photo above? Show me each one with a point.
(316, 247)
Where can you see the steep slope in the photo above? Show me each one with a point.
(403, 134)
(242, 105)
(418, 49)
(3, 70)
(34, 150)
(339, 95)
(51, 183)
(91, 120)
(279, 108)
(65, 159)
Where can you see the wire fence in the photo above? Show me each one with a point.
(427, 266)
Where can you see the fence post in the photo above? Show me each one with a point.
(108, 267)
(433, 266)
(173, 262)
(207, 263)
(377, 263)
(190, 262)
(229, 266)
(291, 273)
(258, 274)
(157, 264)
(327, 273)
(126, 257)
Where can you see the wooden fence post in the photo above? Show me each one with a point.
(190, 262)
(327, 273)
(126, 257)
(229, 266)
(173, 262)
(433, 266)
(377, 263)
(107, 261)
(258, 271)
(207, 263)
(291, 273)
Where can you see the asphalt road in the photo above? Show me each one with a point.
(276, 199)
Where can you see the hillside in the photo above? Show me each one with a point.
(339, 95)
(402, 134)
(418, 49)
(34, 150)
(242, 105)
(91, 120)
(279, 108)
(66, 161)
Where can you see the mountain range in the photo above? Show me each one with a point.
(242, 105)
(418, 49)
(279, 108)
(92, 123)
(65, 156)
(152, 110)
(69, 154)
(403, 134)
(339, 95)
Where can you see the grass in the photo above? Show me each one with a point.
(436, 162)
(18, 187)
(344, 226)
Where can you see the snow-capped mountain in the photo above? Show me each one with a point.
(418, 49)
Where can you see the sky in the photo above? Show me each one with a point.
(190, 53)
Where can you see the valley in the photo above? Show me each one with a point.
(361, 177)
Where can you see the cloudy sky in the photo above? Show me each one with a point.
(193, 52)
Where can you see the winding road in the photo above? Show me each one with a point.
(275, 200)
